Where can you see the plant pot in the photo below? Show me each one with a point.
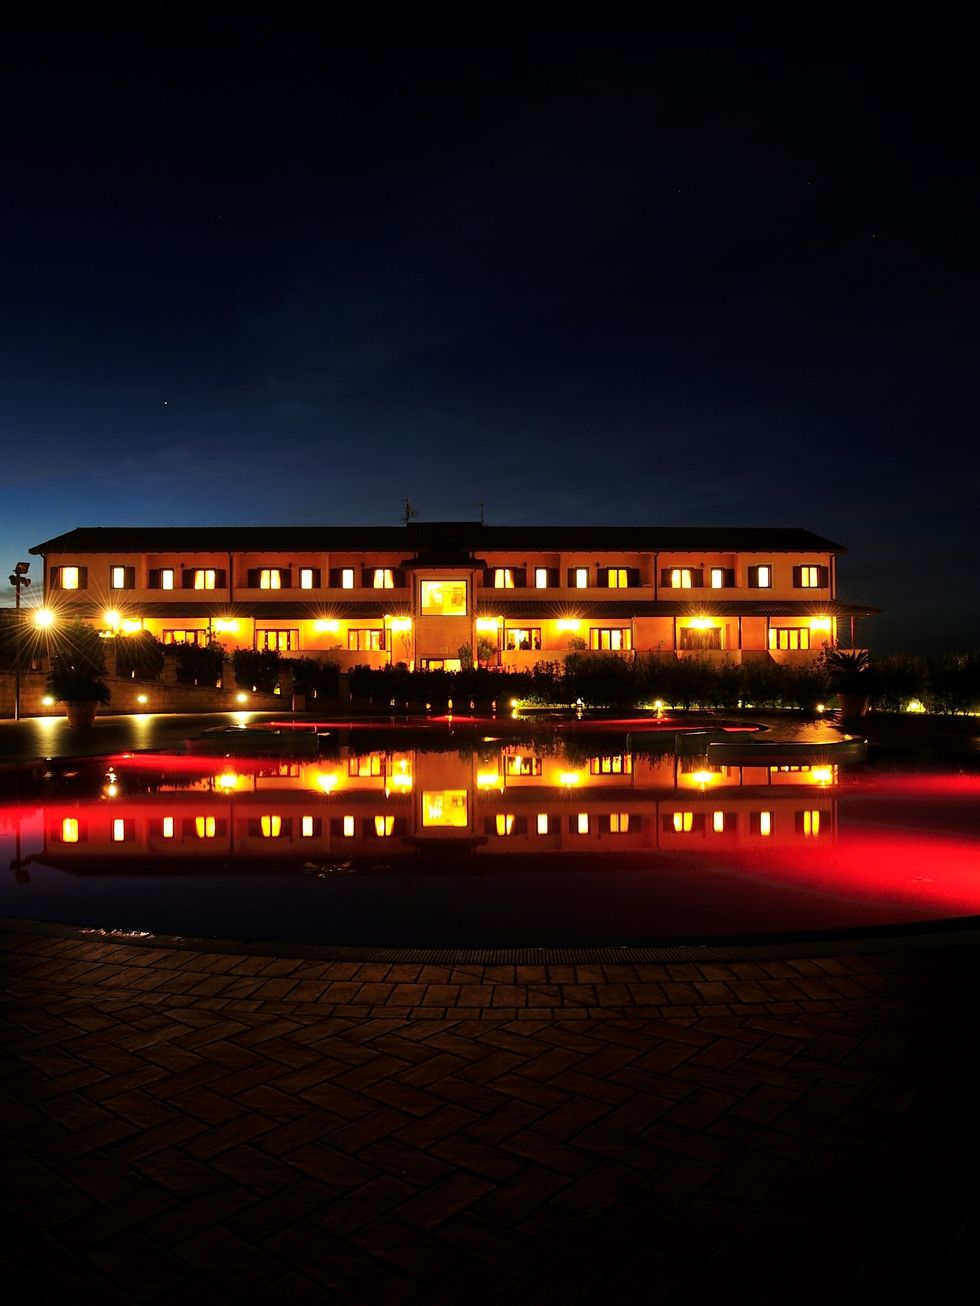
(81, 714)
(852, 705)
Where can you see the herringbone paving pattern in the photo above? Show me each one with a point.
(183, 1125)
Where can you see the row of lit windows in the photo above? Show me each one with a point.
(386, 578)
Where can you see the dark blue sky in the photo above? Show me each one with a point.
(260, 272)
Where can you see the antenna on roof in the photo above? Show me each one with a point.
(409, 511)
(480, 506)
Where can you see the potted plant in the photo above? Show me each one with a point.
(850, 679)
(75, 674)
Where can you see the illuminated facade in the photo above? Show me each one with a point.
(421, 593)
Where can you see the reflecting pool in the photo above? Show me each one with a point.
(488, 843)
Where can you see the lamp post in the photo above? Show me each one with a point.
(19, 579)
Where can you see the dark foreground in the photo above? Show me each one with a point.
(185, 1125)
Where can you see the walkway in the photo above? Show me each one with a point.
(188, 1125)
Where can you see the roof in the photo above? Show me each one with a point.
(453, 539)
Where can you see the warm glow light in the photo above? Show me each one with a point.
(228, 780)
(505, 823)
(488, 779)
(326, 782)
(142, 699)
(683, 822)
(718, 822)
(307, 827)
(400, 780)
(702, 623)
(384, 826)
(112, 618)
(205, 827)
(69, 830)
(542, 822)
(819, 623)
(821, 707)
(582, 823)
(271, 826)
(569, 623)
(167, 827)
(241, 698)
(327, 627)
(914, 705)
(401, 623)
(44, 617)
(118, 830)
(131, 626)
(569, 778)
(489, 624)
(703, 777)
(348, 827)
(811, 824)
(47, 701)
(111, 790)
(765, 823)
(823, 775)
(226, 623)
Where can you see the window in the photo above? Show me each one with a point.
(365, 641)
(205, 827)
(760, 578)
(441, 664)
(204, 578)
(619, 822)
(383, 578)
(526, 638)
(309, 578)
(270, 826)
(518, 764)
(700, 637)
(69, 830)
(617, 578)
(444, 807)
(279, 641)
(310, 826)
(444, 598)
(366, 764)
(71, 578)
(542, 823)
(270, 578)
(384, 826)
(504, 823)
(618, 764)
(503, 578)
(542, 579)
(185, 637)
(790, 637)
(167, 827)
(161, 578)
(684, 823)
(722, 578)
(347, 578)
(610, 637)
(810, 577)
(348, 827)
(760, 823)
(581, 823)
(122, 578)
(682, 578)
(808, 823)
(578, 578)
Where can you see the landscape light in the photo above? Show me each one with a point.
(44, 618)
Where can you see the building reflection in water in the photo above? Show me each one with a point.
(402, 805)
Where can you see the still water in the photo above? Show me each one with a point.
(493, 844)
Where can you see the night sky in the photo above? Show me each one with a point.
(258, 271)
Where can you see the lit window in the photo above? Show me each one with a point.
(281, 641)
(117, 578)
(167, 827)
(617, 578)
(365, 641)
(348, 827)
(204, 827)
(582, 823)
(517, 764)
(717, 578)
(809, 578)
(384, 578)
(204, 578)
(700, 637)
(616, 638)
(69, 830)
(306, 827)
(444, 807)
(503, 578)
(718, 822)
(445, 598)
(384, 826)
(760, 578)
(810, 823)
(681, 578)
(765, 823)
(185, 637)
(270, 578)
(166, 578)
(683, 822)
(580, 578)
(541, 578)
(542, 824)
(527, 638)
(69, 578)
(789, 637)
(366, 764)
(306, 578)
(505, 822)
(271, 826)
(347, 578)
(119, 829)
(616, 764)
(619, 822)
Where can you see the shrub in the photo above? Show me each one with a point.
(139, 657)
(257, 669)
(198, 664)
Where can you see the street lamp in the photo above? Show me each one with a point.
(20, 580)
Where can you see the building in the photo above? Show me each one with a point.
(425, 593)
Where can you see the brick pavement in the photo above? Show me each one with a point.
(184, 1125)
